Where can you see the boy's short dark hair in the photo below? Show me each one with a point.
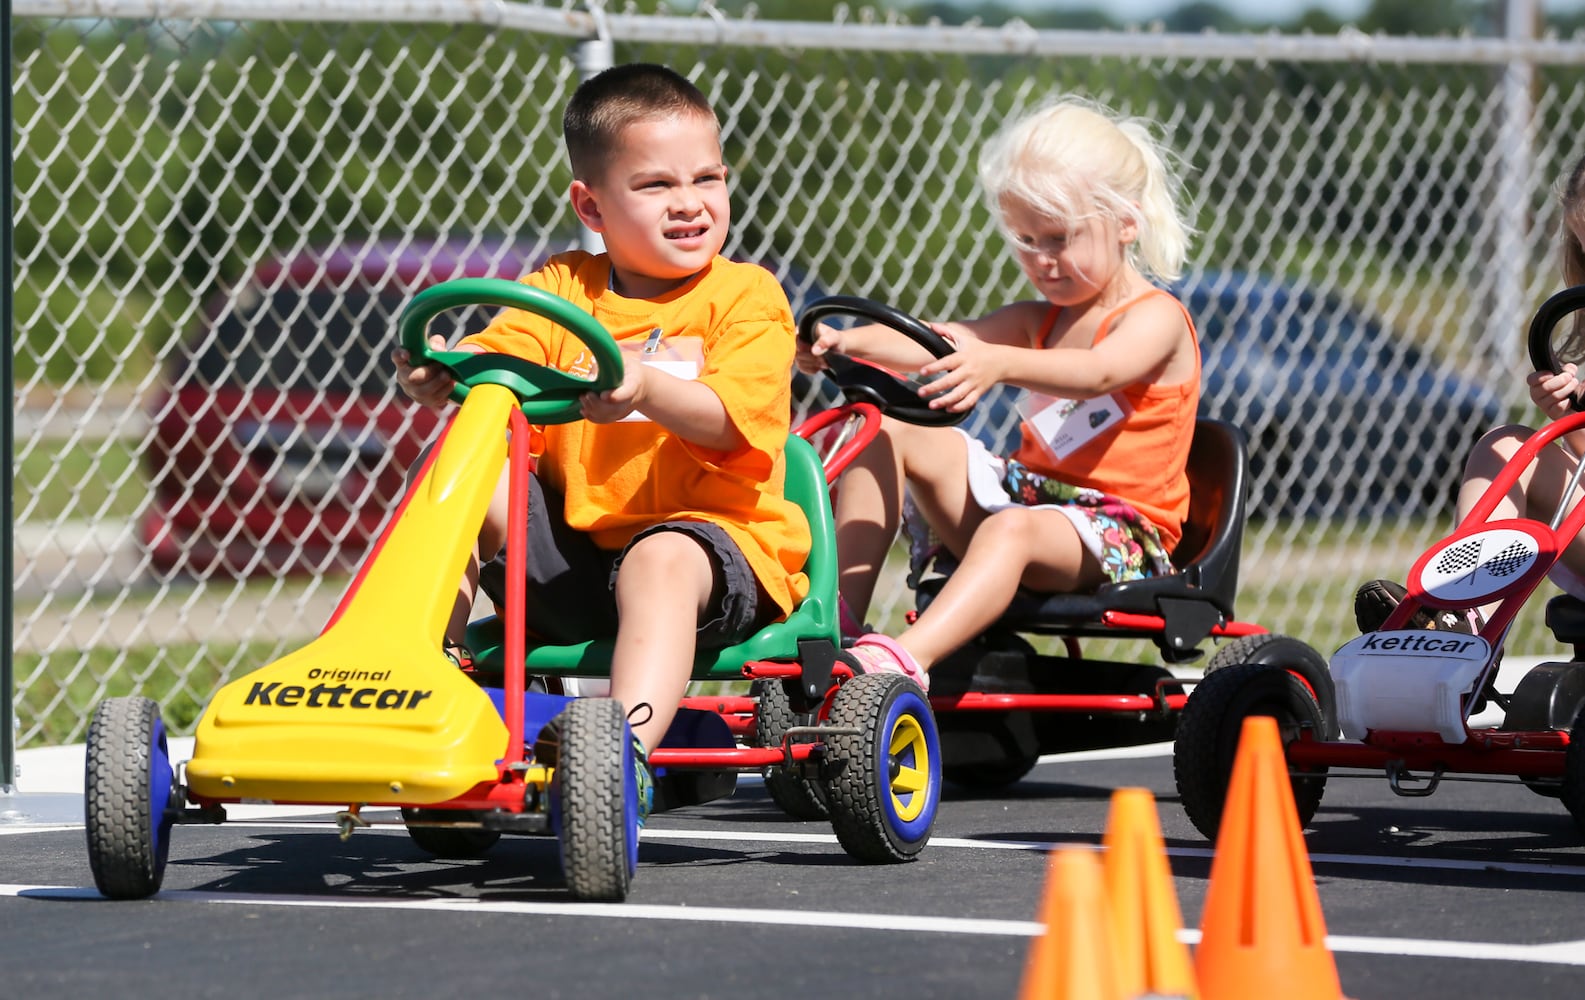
(613, 99)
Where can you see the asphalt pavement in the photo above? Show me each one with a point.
(1477, 891)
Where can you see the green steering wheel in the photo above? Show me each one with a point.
(546, 395)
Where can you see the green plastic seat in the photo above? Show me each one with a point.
(814, 620)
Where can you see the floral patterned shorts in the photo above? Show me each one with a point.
(1124, 541)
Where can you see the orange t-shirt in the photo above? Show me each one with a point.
(731, 328)
(1141, 458)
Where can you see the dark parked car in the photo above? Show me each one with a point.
(1343, 415)
(281, 442)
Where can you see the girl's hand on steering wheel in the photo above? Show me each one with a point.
(960, 379)
(429, 385)
(1554, 392)
(809, 357)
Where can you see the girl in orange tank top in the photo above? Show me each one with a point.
(1097, 488)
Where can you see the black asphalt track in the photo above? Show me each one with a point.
(1475, 892)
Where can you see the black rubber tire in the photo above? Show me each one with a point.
(798, 797)
(1211, 724)
(128, 834)
(445, 842)
(861, 791)
(1292, 654)
(1572, 790)
(597, 835)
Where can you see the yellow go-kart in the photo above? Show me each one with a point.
(372, 713)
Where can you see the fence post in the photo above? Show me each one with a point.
(1515, 161)
(8, 729)
(592, 56)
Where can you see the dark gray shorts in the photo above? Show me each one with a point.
(571, 581)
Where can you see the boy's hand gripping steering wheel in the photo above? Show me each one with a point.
(860, 381)
(1550, 347)
(547, 396)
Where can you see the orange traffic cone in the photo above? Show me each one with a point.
(1073, 959)
(1261, 934)
(1144, 904)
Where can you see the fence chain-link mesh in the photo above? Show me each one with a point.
(218, 220)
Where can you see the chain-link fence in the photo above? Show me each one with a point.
(219, 216)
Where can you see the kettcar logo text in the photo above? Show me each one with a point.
(338, 693)
(1417, 642)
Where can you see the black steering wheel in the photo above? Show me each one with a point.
(546, 395)
(1548, 354)
(896, 395)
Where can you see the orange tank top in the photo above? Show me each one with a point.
(1132, 443)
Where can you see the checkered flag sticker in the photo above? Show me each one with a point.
(1510, 560)
(1459, 558)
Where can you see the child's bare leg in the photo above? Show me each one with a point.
(935, 462)
(1040, 549)
(664, 583)
(868, 510)
(1485, 460)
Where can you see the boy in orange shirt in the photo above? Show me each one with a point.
(660, 517)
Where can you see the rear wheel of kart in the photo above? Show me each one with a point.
(128, 789)
(799, 797)
(1212, 723)
(1572, 790)
(1292, 654)
(886, 771)
(449, 842)
(594, 801)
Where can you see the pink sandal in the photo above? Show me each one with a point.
(881, 654)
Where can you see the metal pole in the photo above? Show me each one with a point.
(1515, 163)
(8, 729)
(592, 56)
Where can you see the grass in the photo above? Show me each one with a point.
(76, 479)
(55, 706)
(1298, 579)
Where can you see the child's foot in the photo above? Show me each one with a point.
(880, 654)
(457, 653)
(646, 781)
(1375, 601)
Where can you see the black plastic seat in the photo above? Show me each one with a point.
(1191, 602)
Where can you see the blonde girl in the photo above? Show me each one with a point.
(1096, 489)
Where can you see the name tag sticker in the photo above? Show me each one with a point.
(679, 357)
(1066, 425)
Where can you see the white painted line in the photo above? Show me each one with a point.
(1554, 953)
(884, 922)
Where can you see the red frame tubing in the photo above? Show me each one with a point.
(1488, 751)
(869, 416)
(519, 463)
(1156, 624)
(979, 701)
(1505, 480)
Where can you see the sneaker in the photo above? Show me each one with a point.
(1375, 601)
(547, 745)
(880, 654)
(457, 653)
(645, 780)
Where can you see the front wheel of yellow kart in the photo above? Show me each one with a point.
(884, 757)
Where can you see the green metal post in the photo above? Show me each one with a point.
(8, 729)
